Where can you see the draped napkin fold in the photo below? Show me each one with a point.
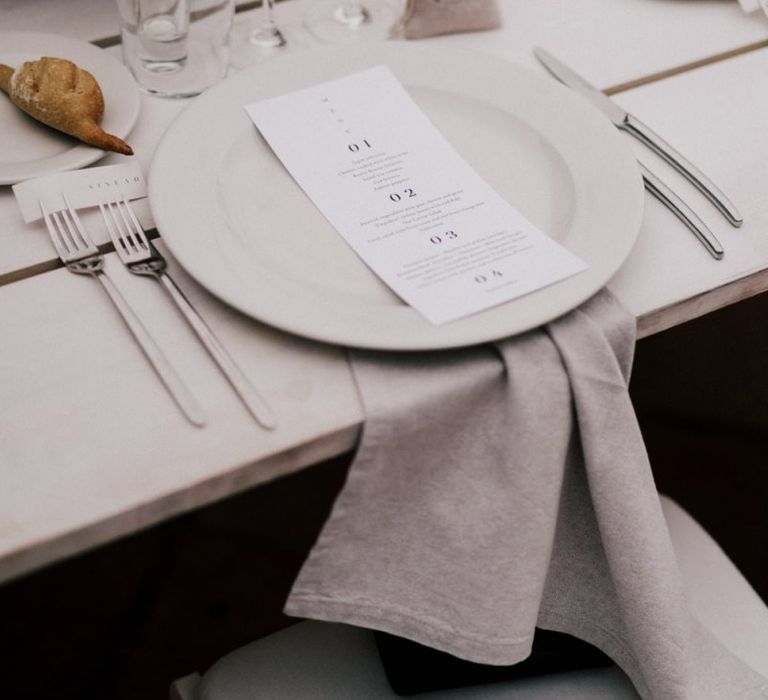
(507, 486)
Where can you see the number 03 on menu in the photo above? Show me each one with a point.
(415, 212)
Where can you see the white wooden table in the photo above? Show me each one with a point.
(91, 448)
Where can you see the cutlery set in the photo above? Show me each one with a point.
(630, 124)
(80, 255)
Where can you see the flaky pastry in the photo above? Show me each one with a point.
(63, 96)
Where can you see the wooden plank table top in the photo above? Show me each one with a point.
(91, 448)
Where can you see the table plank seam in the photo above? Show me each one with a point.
(55, 263)
(686, 67)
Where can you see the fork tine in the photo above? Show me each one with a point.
(136, 233)
(137, 227)
(114, 230)
(126, 226)
(119, 229)
(77, 224)
(55, 234)
(68, 230)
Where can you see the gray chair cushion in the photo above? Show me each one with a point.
(319, 660)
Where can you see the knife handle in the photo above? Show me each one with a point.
(644, 134)
(682, 211)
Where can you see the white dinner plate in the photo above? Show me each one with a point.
(27, 147)
(236, 220)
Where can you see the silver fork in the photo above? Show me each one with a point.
(142, 258)
(79, 254)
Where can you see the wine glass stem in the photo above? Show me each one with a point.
(268, 14)
(267, 34)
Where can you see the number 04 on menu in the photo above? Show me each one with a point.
(415, 212)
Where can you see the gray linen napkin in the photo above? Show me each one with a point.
(503, 487)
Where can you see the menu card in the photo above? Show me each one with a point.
(415, 212)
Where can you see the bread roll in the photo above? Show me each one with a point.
(58, 93)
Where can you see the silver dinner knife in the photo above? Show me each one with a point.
(682, 211)
(633, 126)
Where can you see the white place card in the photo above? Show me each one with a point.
(84, 188)
(416, 213)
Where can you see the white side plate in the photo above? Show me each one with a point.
(27, 147)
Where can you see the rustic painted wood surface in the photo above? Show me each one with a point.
(91, 448)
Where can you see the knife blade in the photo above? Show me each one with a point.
(627, 122)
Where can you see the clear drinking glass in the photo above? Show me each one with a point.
(344, 21)
(176, 48)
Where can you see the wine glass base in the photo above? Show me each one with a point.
(352, 18)
(267, 38)
(339, 22)
(249, 46)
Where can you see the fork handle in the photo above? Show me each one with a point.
(253, 401)
(165, 371)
